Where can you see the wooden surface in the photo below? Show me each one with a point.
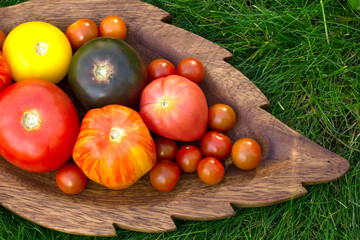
(289, 160)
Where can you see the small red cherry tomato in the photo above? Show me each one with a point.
(2, 39)
(192, 69)
(165, 148)
(113, 26)
(160, 68)
(165, 175)
(80, 32)
(188, 158)
(246, 153)
(210, 170)
(215, 144)
(70, 179)
(221, 117)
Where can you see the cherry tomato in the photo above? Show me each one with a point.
(192, 69)
(210, 170)
(160, 68)
(221, 117)
(38, 125)
(165, 148)
(174, 107)
(70, 179)
(2, 39)
(113, 26)
(188, 158)
(80, 32)
(246, 153)
(215, 144)
(165, 175)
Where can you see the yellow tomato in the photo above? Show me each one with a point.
(37, 50)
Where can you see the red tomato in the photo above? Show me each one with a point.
(165, 175)
(188, 158)
(80, 32)
(221, 117)
(215, 144)
(38, 125)
(70, 179)
(165, 148)
(5, 76)
(210, 170)
(2, 39)
(160, 68)
(175, 108)
(113, 26)
(114, 146)
(192, 69)
(246, 153)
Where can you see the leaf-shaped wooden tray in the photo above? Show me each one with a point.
(289, 160)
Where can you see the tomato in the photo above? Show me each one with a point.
(80, 32)
(175, 108)
(70, 179)
(215, 144)
(246, 153)
(113, 26)
(160, 68)
(165, 175)
(210, 170)
(37, 50)
(107, 71)
(188, 158)
(5, 75)
(38, 125)
(165, 148)
(2, 39)
(114, 147)
(221, 117)
(192, 69)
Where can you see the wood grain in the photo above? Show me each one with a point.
(289, 160)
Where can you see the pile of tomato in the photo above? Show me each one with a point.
(139, 119)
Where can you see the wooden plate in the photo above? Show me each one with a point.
(289, 160)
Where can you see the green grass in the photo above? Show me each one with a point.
(305, 57)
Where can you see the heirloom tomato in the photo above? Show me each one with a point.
(246, 153)
(114, 146)
(107, 71)
(5, 75)
(37, 50)
(174, 107)
(38, 125)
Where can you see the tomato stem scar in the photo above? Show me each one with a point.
(116, 134)
(102, 71)
(164, 103)
(31, 120)
(41, 48)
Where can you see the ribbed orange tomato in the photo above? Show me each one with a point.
(5, 75)
(114, 146)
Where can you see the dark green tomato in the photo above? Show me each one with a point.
(107, 71)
